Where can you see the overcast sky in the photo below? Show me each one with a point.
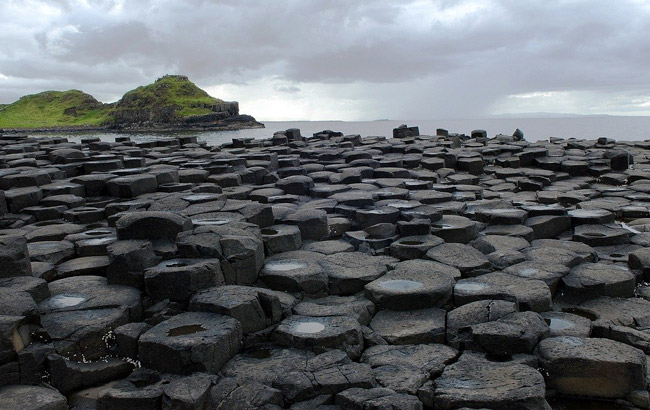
(341, 59)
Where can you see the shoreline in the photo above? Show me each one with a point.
(82, 129)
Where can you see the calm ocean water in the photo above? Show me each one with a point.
(535, 129)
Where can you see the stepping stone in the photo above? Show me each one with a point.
(356, 307)
(413, 247)
(87, 265)
(408, 288)
(31, 397)
(502, 216)
(141, 389)
(311, 222)
(14, 256)
(411, 326)
(548, 226)
(429, 359)
(255, 308)
(601, 235)
(324, 376)
(505, 258)
(238, 245)
(521, 231)
(191, 392)
(151, 225)
(297, 271)
(231, 393)
(615, 313)
(460, 320)
(127, 261)
(567, 324)
(37, 288)
(376, 398)
(132, 185)
(591, 216)
(530, 294)
(51, 251)
(349, 272)
(640, 260)
(455, 229)
(190, 342)
(544, 256)
(18, 303)
(320, 334)
(549, 273)
(586, 252)
(368, 217)
(468, 260)
(264, 364)
(281, 238)
(53, 232)
(90, 292)
(476, 383)
(591, 280)
(491, 243)
(329, 247)
(598, 368)
(68, 376)
(517, 332)
(178, 279)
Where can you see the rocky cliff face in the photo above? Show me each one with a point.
(172, 101)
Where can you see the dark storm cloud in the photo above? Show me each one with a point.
(454, 57)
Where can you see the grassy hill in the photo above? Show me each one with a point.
(169, 100)
(170, 91)
(53, 109)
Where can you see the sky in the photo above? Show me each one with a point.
(341, 59)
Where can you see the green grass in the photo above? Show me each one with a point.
(54, 108)
(75, 108)
(170, 90)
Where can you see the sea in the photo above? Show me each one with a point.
(632, 128)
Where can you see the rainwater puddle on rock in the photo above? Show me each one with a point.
(284, 266)
(174, 263)
(99, 241)
(185, 330)
(628, 227)
(401, 205)
(400, 284)
(560, 324)
(211, 221)
(376, 212)
(528, 271)
(61, 301)
(410, 243)
(309, 327)
(98, 232)
(470, 287)
(442, 226)
(200, 197)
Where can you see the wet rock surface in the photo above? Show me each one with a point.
(324, 272)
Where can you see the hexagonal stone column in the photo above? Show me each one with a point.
(190, 342)
(321, 334)
(592, 367)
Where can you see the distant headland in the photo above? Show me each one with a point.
(172, 102)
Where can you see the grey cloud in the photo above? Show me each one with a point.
(464, 64)
(289, 90)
